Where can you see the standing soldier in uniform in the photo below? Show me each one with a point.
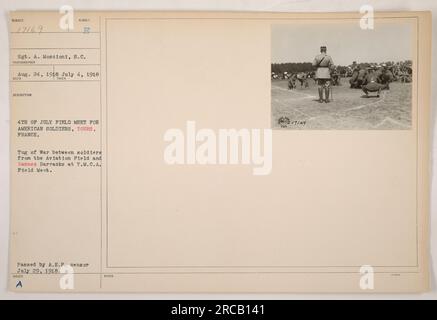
(323, 62)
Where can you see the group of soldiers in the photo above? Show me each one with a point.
(301, 77)
(384, 73)
(371, 78)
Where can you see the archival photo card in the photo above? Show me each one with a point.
(155, 152)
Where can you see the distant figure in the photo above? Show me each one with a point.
(353, 70)
(292, 82)
(303, 79)
(322, 63)
(335, 77)
(354, 77)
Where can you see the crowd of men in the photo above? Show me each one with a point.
(377, 77)
(301, 77)
(371, 78)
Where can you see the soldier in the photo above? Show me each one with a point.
(335, 77)
(361, 78)
(323, 62)
(385, 77)
(302, 77)
(354, 77)
(292, 82)
(371, 83)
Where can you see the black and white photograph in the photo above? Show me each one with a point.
(337, 75)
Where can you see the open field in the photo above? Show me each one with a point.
(349, 108)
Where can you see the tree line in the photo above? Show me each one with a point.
(295, 67)
(292, 67)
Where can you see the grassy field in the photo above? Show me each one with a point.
(349, 108)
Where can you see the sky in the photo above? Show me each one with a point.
(346, 42)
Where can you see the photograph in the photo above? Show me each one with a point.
(336, 75)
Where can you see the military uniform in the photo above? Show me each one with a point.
(354, 77)
(385, 77)
(361, 78)
(371, 83)
(323, 62)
